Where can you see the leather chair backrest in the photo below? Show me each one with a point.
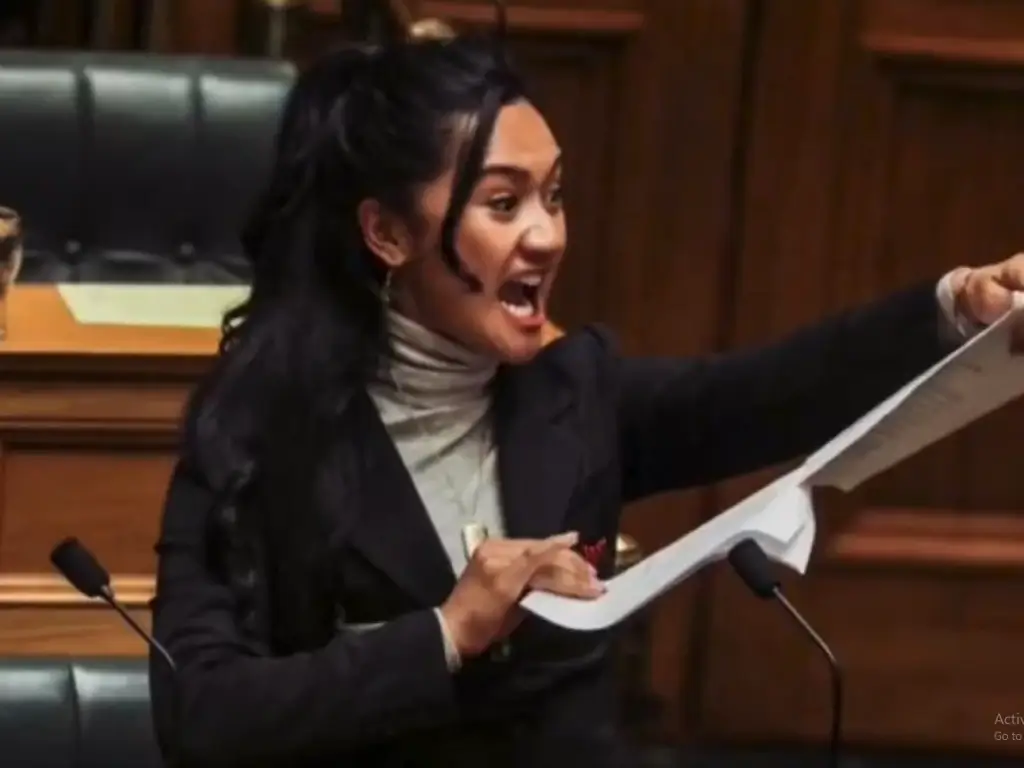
(60, 713)
(132, 167)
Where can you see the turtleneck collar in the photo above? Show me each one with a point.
(428, 369)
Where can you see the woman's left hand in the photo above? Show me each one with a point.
(566, 573)
(569, 575)
(985, 294)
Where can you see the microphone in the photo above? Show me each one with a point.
(83, 571)
(754, 567)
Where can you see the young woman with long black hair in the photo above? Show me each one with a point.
(386, 455)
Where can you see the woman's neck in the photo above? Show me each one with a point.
(426, 368)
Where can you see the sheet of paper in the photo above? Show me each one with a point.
(169, 306)
(779, 518)
(975, 379)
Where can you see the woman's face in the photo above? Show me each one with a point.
(511, 237)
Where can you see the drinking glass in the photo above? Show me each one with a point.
(11, 246)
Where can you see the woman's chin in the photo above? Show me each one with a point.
(521, 354)
(518, 347)
(509, 340)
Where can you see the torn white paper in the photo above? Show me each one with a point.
(974, 380)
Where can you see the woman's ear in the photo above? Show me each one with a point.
(384, 234)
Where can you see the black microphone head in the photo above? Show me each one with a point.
(82, 570)
(755, 568)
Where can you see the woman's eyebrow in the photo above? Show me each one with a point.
(517, 172)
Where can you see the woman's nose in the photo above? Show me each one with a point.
(544, 235)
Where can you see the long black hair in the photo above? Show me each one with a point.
(370, 120)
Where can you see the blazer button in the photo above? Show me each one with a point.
(71, 247)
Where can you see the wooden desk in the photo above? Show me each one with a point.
(88, 425)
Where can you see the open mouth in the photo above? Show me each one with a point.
(520, 296)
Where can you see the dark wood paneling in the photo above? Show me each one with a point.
(884, 148)
(205, 26)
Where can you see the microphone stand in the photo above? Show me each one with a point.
(86, 574)
(754, 568)
(107, 595)
(835, 675)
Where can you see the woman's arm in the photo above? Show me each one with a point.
(692, 422)
(235, 707)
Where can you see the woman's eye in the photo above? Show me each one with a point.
(555, 196)
(503, 203)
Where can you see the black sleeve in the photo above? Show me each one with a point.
(693, 422)
(234, 707)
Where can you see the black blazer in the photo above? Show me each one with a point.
(581, 432)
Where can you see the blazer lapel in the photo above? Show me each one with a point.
(393, 529)
(540, 456)
(539, 449)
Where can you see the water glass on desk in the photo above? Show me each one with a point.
(11, 242)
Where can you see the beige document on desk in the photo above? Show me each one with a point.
(156, 306)
(977, 378)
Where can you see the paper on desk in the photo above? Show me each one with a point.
(170, 306)
(977, 378)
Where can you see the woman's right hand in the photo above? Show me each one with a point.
(481, 608)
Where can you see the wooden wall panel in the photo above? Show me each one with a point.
(884, 149)
(46, 488)
(86, 455)
(203, 26)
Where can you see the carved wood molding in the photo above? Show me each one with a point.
(66, 405)
(66, 414)
(944, 50)
(955, 33)
(586, 21)
(106, 366)
(41, 589)
(942, 538)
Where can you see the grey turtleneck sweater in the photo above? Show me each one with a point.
(433, 397)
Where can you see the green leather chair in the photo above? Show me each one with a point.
(76, 713)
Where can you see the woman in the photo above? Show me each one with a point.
(384, 399)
